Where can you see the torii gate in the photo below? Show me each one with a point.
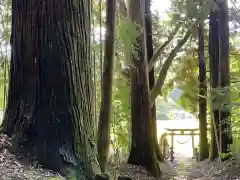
(181, 132)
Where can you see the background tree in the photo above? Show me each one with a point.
(149, 45)
(107, 80)
(203, 141)
(143, 150)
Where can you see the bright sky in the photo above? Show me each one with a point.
(161, 6)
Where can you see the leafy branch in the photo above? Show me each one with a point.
(162, 48)
(163, 73)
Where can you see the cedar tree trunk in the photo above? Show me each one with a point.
(203, 141)
(50, 104)
(219, 67)
(143, 150)
(214, 74)
(224, 72)
(149, 43)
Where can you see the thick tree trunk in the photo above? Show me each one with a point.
(143, 150)
(219, 66)
(214, 74)
(49, 109)
(224, 72)
(203, 145)
(107, 79)
(149, 43)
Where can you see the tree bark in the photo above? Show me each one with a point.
(219, 67)
(214, 75)
(143, 150)
(107, 79)
(224, 73)
(203, 141)
(149, 43)
(50, 104)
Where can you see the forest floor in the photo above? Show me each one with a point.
(12, 167)
(183, 168)
(186, 168)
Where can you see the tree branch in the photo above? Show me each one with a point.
(161, 48)
(163, 74)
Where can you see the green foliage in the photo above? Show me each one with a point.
(220, 95)
(98, 9)
(127, 34)
(186, 79)
(191, 9)
(120, 114)
(225, 156)
(5, 31)
(235, 100)
(5, 21)
(220, 99)
(183, 73)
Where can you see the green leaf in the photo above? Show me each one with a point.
(127, 33)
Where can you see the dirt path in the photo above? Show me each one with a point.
(186, 168)
(182, 168)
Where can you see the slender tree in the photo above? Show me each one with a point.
(157, 90)
(50, 106)
(107, 79)
(149, 43)
(143, 150)
(203, 142)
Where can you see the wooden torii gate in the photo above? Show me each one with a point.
(181, 132)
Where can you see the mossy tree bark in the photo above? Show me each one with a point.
(50, 103)
(203, 141)
(107, 79)
(143, 150)
(149, 43)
